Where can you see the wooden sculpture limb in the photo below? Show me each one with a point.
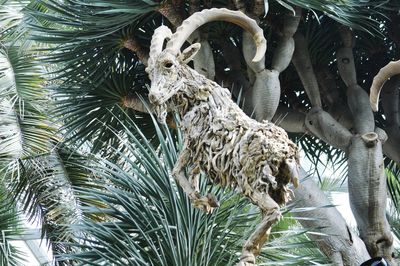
(271, 214)
(205, 203)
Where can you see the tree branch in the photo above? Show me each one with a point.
(284, 52)
(366, 179)
(357, 98)
(302, 63)
(336, 106)
(325, 127)
(290, 120)
(368, 194)
(266, 87)
(336, 241)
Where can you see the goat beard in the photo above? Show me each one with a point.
(161, 112)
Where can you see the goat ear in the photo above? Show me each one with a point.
(189, 53)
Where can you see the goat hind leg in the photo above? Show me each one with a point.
(271, 214)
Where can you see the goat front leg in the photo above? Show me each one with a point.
(271, 214)
(205, 203)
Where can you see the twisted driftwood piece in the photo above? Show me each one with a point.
(219, 138)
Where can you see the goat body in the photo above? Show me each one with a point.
(220, 140)
(231, 148)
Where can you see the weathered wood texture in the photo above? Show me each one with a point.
(220, 140)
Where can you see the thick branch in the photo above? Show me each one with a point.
(367, 192)
(336, 240)
(358, 102)
(347, 69)
(302, 63)
(266, 87)
(325, 127)
(328, 86)
(336, 106)
(290, 120)
(284, 52)
(357, 98)
(266, 94)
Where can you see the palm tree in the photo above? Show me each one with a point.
(73, 154)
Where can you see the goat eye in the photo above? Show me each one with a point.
(168, 65)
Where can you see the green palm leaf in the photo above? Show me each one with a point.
(353, 13)
(25, 130)
(10, 226)
(89, 112)
(86, 37)
(48, 190)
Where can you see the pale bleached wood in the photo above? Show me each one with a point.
(233, 150)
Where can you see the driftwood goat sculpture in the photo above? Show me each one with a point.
(220, 140)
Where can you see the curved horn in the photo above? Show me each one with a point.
(386, 72)
(157, 41)
(200, 18)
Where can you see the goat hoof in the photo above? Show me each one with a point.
(212, 200)
(206, 203)
(247, 260)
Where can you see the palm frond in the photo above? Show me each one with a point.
(25, 129)
(355, 14)
(85, 38)
(10, 226)
(393, 181)
(89, 112)
(47, 191)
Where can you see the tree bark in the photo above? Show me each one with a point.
(302, 63)
(342, 246)
(366, 179)
(367, 191)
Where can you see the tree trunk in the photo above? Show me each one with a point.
(336, 241)
(367, 191)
